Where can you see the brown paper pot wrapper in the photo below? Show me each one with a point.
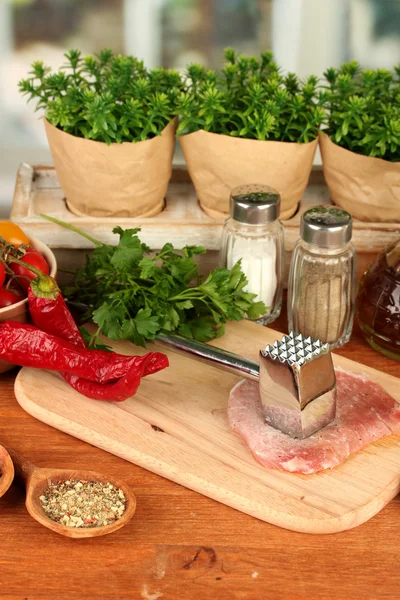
(368, 188)
(121, 180)
(218, 163)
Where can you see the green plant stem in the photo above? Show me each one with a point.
(74, 229)
(44, 286)
(23, 264)
(69, 271)
(191, 293)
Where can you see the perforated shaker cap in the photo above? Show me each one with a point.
(326, 226)
(254, 204)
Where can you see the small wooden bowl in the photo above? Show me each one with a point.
(6, 471)
(39, 481)
(19, 311)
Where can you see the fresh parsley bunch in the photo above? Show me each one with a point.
(364, 110)
(250, 98)
(105, 98)
(133, 294)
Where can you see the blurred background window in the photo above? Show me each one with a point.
(307, 36)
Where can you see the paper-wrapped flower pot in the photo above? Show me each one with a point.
(368, 188)
(120, 180)
(218, 163)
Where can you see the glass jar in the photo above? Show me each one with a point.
(378, 302)
(322, 278)
(254, 235)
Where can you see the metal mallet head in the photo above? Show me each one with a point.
(297, 385)
(296, 379)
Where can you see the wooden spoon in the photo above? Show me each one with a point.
(6, 471)
(36, 480)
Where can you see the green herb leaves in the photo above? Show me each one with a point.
(249, 98)
(133, 294)
(105, 98)
(111, 99)
(364, 110)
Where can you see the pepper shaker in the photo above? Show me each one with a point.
(254, 235)
(322, 278)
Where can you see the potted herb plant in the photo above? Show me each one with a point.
(361, 147)
(248, 124)
(111, 129)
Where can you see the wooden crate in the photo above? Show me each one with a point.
(181, 222)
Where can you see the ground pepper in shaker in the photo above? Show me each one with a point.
(322, 278)
(254, 235)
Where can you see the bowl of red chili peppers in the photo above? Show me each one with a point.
(15, 278)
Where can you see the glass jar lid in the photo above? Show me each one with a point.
(326, 226)
(254, 204)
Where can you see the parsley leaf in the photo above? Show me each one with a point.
(92, 342)
(146, 324)
(108, 318)
(133, 293)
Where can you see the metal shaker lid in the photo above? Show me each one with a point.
(326, 226)
(254, 204)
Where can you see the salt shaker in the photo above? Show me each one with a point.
(254, 234)
(322, 278)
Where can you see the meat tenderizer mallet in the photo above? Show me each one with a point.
(296, 379)
(297, 385)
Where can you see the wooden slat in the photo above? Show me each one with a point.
(182, 221)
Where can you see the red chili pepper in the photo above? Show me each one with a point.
(126, 386)
(28, 346)
(50, 313)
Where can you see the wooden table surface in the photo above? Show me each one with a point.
(181, 545)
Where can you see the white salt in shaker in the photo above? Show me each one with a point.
(254, 234)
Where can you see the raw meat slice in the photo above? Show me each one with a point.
(364, 414)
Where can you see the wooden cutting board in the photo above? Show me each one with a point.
(176, 426)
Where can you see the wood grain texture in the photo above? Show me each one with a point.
(176, 426)
(6, 471)
(181, 544)
(38, 191)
